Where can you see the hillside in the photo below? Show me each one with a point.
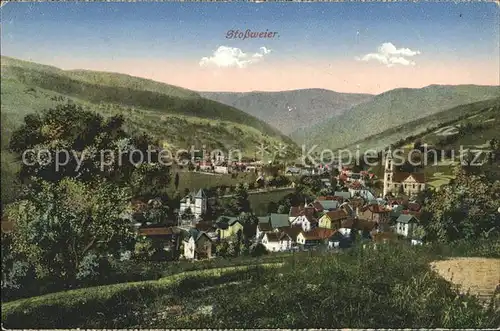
(290, 110)
(431, 128)
(170, 113)
(391, 109)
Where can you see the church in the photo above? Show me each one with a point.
(410, 183)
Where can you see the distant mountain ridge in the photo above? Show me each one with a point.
(389, 110)
(290, 110)
(173, 115)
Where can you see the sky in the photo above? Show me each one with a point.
(345, 47)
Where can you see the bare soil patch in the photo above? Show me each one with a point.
(478, 275)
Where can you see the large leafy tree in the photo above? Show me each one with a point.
(59, 225)
(70, 142)
(239, 202)
(467, 208)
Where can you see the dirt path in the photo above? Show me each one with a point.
(479, 275)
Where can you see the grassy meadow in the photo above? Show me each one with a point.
(390, 286)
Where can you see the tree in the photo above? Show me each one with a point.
(150, 180)
(59, 224)
(222, 248)
(157, 212)
(176, 181)
(239, 202)
(466, 208)
(70, 142)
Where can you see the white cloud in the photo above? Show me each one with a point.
(389, 55)
(226, 57)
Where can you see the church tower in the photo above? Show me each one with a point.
(388, 172)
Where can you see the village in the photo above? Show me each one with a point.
(348, 215)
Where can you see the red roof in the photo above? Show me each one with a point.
(413, 206)
(160, 231)
(378, 209)
(317, 206)
(318, 234)
(292, 232)
(400, 177)
(336, 215)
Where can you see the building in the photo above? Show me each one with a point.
(198, 246)
(406, 225)
(409, 183)
(228, 227)
(333, 219)
(272, 241)
(195, 203)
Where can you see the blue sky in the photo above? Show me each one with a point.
(308, 32)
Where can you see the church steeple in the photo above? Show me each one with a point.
(388, 172)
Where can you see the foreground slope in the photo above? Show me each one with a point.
(290, 110)
(391, 109)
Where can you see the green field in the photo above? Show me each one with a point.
(197, 180)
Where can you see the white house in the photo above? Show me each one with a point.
(286, 242)
(306, 222)
(221, 169)
(198, 246)
(272, 241)
(263, 227)
(406, 224)
(196, 203)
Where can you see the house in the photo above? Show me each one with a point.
(263, 226)
(228, 226)
(314, 237)
(306, 221)
(406, 224)
(406, 182)
(292, 233)
(366, 228)
(158, 231)
(338, 240)
(295, 211)
(272, 241)
(333, 219)
(343, 195)
(396, 211)
(303, 217)
(196, 203)
(327, 205)
(316, 206)
(356, 203)
(286, 242)
(376, 213)
(346, 227)
(222, 169)
(326, 182)
(198, 246)
(279, 220)
(292, 171)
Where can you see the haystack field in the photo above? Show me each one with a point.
(478, 275)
